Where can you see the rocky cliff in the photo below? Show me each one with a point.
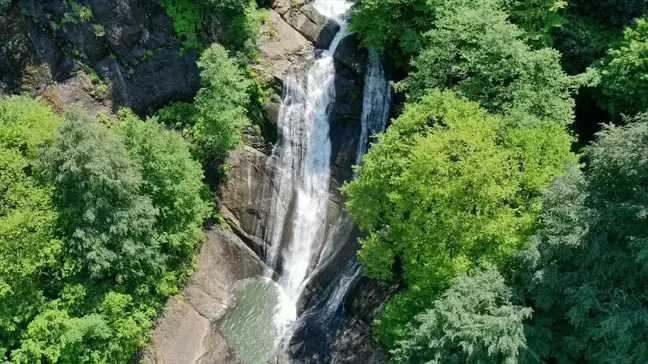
(114, 53)
(127, 47)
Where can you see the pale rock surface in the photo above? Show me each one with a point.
(185, 332)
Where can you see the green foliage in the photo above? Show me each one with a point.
(115, 195)
(187, 20)
(624, 79)
(97, 193)
(585, 272)
(473, 322)
(243, 27)
(613, 13)
(479, 54)
(171, 179)
(582, 41)
(28, 246)
(447, 188)
(221, 103)
(178, 114)
(537, 17)
(393, 27)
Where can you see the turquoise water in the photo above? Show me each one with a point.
(253, 325)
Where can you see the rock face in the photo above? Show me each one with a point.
(279, 45)
(313, 25)
(185, 334)
(246, 196)
(130, 43)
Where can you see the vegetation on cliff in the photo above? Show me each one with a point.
(510, 250)
(99, 223)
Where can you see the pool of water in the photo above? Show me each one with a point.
(255, 323)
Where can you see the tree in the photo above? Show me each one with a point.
(537, 17)
(473, 322)
(479, 54)
(448, 187)
(585, 270)
(171, 179)
(624, 83)
(106, 221)
(614, 13)
(28, 245)
(392, 27)
(220, 103)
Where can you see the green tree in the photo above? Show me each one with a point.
(171, 179)
(472, 322)
(29, 248)
(106, 221)
(392, 27)
(479, 54)
(624, 82)
(586, 268)
(537, 17)
(448, 187)
(221, 102)
(614, 13)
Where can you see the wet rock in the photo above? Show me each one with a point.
(345, 125)
(311, 24)
(184, 334)
(247, 193)
(271, 112)
(351, 54)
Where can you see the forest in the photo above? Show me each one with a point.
(508, 195)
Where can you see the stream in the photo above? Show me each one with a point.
(264, 314)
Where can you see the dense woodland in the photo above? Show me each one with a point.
(509, 193)
(516, 241)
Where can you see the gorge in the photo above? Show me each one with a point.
(292, 216)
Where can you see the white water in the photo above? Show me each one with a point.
(302, 165)
(376, 103)
(375, 113)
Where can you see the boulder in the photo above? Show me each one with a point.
(184, 334)
(311, 24)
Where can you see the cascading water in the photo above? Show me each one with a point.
(303, 163)
(298, 233)
(376, 103)
(376, 106)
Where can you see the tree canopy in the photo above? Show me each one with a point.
(447, 188)
(98, 224)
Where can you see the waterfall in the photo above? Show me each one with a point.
(376, 106)
(302, 166)
(376, 103)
